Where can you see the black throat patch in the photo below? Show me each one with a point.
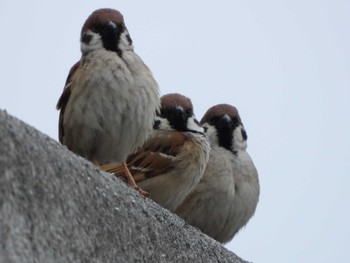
(110, 35)
(177, 120)
(225, 132)
(225, 136)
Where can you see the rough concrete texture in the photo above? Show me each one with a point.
(57, 207)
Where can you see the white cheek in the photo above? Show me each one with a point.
(164, 123)
(124, 43)
(94, 44)
(192, 125)
(239, 142)
(212, 134)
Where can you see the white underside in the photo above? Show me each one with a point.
(170, 189)
(214, 206)
(112, 106)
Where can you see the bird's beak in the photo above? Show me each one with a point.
(226, 121)
(180, 113)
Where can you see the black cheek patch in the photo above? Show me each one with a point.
(156, 124)
(86, 38)
(129, 39)
(244, 134)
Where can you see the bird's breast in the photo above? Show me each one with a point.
(109, 112)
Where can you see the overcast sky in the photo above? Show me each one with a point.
(284, 64)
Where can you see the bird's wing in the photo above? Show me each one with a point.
(63, 100)
(157, 156)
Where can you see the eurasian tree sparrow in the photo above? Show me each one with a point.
(172, 161)
(110, 99)
(227, 196)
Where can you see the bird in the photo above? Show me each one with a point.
(173, 159)
(227, 196)
(110, 98)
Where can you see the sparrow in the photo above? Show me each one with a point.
(172, 161)
(227, 196)
(110, 98)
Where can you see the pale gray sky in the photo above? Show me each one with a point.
(284, 64)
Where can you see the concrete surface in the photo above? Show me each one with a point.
(57, 207)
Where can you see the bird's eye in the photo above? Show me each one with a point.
(188, 112)
(213, 120)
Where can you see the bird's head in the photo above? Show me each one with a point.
(105, 28)
(224, 127)
(176, 113)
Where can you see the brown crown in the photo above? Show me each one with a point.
(219, 111)
(173, 100)
(103, 16)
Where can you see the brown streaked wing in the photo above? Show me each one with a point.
(156, 157)
(63, 100)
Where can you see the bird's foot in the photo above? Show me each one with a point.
(132, 182)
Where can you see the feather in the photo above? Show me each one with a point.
(157, 156)
(63, 100)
